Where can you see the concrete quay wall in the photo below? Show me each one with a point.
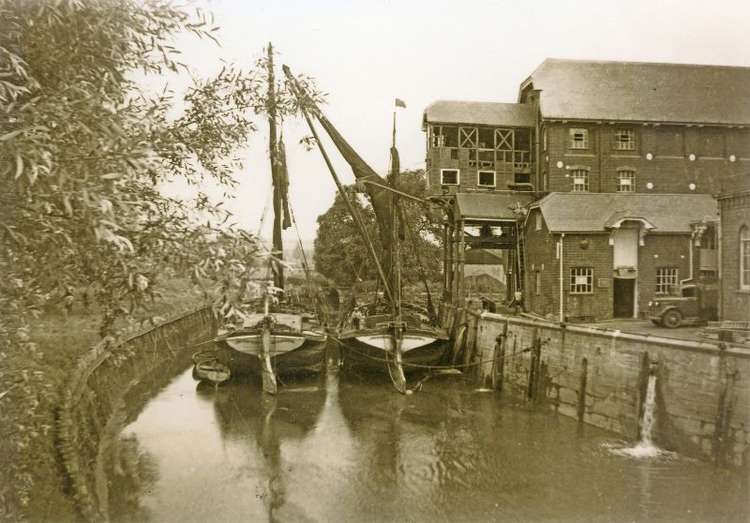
(600, 377)
(94, 395)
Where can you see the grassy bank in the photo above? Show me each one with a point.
(32, 484)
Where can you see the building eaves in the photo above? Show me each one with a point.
(479, 113)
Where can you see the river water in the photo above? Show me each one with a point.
(352, 449)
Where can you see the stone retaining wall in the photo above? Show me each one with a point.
(600, 377)
(96, 388)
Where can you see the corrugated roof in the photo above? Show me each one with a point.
(479, 113)
(489, 205)
(594, 212)
(640, 91)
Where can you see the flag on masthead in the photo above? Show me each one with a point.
(400, 103)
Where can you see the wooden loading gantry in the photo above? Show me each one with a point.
(481, 221)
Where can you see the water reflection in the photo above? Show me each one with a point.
(246, 417)
(348, 448)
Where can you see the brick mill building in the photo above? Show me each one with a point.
(633, 151)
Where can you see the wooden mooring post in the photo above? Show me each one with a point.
(500, 343)
(581, 411)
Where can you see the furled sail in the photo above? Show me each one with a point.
(381, 198)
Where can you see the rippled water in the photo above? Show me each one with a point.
(351, 449)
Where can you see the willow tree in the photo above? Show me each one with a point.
(84, 149)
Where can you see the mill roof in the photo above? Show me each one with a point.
(598, 212)
(642, 91)
(479, 113)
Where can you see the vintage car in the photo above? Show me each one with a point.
(694, 303)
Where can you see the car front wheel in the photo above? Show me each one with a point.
(672, 319)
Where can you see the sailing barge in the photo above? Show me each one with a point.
(391, 336)
(284, 338)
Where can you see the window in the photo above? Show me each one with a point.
(626, 181)
(449, 176)
(539, 221)
(581, 280)
(666, 278)
(745, 258)
(579, 139)
(486, 138)
(625, 140)
(486, 158)
(486, 178)
(580, 180)
(444, 136)
(538, 283)
(544, 139)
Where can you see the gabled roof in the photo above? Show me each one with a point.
(642, 91)
(479, 113)
(491, 205)
(599, 212)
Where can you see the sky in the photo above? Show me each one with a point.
(365, 54)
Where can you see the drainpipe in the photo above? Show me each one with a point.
(562, 240)
(690, 259)
(719, 256)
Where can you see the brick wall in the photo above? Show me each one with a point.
(589, 250)
(541, 259)
(593, 250)
(670, 170)
(661, 250)
(735, 212)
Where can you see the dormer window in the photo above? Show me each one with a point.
(449, 176)
(579, 138)
(625, 140)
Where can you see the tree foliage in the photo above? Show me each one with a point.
(85, 147)
(341, 253)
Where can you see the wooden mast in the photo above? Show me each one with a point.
(300, 95)
(375, 185)
(397, 323)
(269, 378)
(278, 247)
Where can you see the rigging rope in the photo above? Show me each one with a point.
(263, 215)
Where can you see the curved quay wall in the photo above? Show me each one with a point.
(599, 376)
(93, 397)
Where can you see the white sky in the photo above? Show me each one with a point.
(364, 54)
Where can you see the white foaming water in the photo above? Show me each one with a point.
(645, 447)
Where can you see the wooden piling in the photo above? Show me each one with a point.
(722, 440)
(534, 367)
(499, 373)
(582, 390)
(486, 356)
